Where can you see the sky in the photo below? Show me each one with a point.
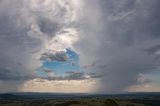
(80, 46)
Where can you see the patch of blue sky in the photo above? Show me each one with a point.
(72, 64)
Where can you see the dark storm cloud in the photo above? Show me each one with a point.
(117, 34)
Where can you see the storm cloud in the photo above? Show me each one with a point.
(120, 34)
(116, 41)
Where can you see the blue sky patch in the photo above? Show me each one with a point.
(72, 64)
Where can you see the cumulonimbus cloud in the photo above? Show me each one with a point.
(121, 36)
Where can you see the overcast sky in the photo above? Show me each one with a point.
(95, 46)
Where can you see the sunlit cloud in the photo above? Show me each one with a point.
(64, 86)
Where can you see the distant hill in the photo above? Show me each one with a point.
(36, 95)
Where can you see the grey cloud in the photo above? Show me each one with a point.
(10, 85)
(55, 56)
(13, 45)
(49, 27)
(94, 64)
(24, 32)
(69, 75)
(7, 74)
(152, 50)
(116, 35)
(95, 75)
(143, 79)
(81, 75)
(75, 75)
(72, 75)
